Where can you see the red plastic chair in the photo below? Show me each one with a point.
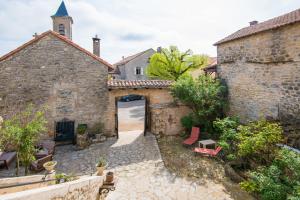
(208, 152)
(193, 137)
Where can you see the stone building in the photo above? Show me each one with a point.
(52, 70)
(133, 67)
(261, 66)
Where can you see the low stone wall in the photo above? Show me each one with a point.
(84, 188)
(4, 182)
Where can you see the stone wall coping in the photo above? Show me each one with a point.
(21, 179)
(50, 192)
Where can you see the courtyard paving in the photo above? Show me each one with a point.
(137, 163)
(141, 174)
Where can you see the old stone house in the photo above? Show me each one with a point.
(54, 71)
(51, 70)
(133, 67)
(261, 66)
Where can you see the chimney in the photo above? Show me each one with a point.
(123, 57)
(252, 23)
(158, 50)
(35, 35)
(96, 46)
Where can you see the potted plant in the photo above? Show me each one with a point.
(81, 129)
(82, 136)
(101, 165)
(49, 166)
(109, 177)
(62, 178)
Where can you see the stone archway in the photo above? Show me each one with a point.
(163, 114)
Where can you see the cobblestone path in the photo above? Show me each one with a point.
(141, 174)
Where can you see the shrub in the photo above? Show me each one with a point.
(226, 129)
(279, 181)
(187, 122)
(205, 96)
(258, 140)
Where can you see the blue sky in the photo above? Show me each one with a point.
(129, 26)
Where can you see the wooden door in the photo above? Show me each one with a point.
(116, 117)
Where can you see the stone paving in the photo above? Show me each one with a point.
(141, 174)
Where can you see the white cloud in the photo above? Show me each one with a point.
(194, 24)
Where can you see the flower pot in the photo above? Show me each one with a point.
(49, 166)
(109, 177)
(100, 170)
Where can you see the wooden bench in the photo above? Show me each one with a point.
(7, 158)
(37, 165)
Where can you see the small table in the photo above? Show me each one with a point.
(207, 142)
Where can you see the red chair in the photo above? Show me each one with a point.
(193, 137)
(208, 152)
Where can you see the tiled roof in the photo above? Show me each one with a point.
(114, 84)
(212, 61)
(62, 10)
(129, 58)
(274, 23)
(63, 38)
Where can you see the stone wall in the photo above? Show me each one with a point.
(86, 188)
(262, 73)
(164, 114)
(55, 74)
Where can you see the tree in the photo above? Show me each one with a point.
(21, 131)
(170, 64)
(205, 96)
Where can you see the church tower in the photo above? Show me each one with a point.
(62, 22)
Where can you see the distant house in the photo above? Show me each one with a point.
(212, 61)
(133, 67)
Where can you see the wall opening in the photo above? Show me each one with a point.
(131, 114)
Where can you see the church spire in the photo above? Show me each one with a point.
(62, 22)
(61, 11)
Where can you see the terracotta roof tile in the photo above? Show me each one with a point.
(270, 24)
(63, 38)
(114, 84)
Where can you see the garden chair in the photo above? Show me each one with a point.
(7, 158)
(37, 165)
(208, 152)
(49, 145)
(193, 137)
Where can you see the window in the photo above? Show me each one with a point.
(138, 71)
(61, 29)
